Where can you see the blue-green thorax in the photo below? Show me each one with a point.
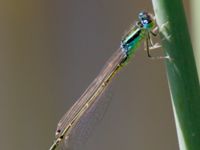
(134, 37)
(132, 40)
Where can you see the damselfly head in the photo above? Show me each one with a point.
(146, 19)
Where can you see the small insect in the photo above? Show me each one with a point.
(129, 44)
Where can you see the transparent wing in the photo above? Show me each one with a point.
(84, 108)
(86, 125)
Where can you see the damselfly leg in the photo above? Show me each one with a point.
(149, 44)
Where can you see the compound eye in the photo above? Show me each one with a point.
(141, 14)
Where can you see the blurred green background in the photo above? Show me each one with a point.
(52, 50)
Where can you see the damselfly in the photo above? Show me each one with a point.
(142, 30)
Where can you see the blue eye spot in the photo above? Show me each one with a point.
(145, 22)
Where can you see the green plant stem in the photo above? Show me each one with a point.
(195, 17)
(181, 71)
